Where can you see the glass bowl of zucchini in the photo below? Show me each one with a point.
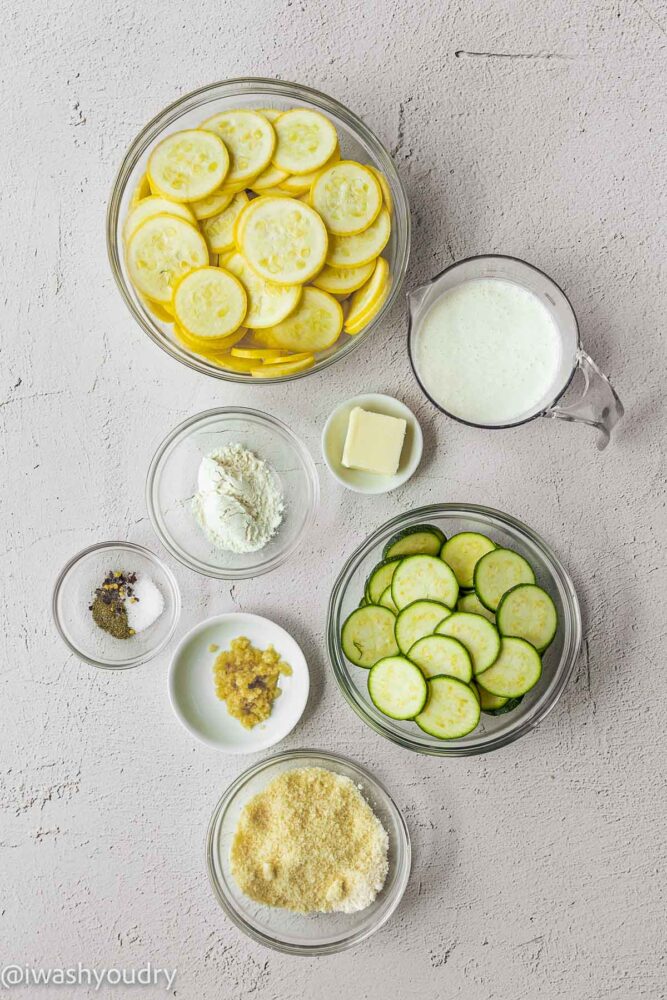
(258, 230)
(453, 629)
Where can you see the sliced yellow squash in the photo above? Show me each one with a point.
(210, 303)
(268, 304)
(298, 184)
(343, 280)
(269, 178)
(250, 139)
(277, 371)
(154, 205)
(384, 185)
(160, 251)
(212, 346)
(188, 165)
(217, 202)
(219, 229)
(257, 353)
(158, 310)
(314, 325)
(354, 251)
(237, 364)
(282, 239)
(272, 192)
(348, 196)
(283, 358)
(305, 141)
(367, 301)
(270, 113)
(142, 190)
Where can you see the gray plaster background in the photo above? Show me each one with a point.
(530, 128)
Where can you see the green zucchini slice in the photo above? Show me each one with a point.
(379, 579)
(386, 600)
(416, 620)
(368, 635)
(422, 539)
(463, 551)
(425, 578)
(479, 636)
(440, 654)
(517, 669)
(397, 687)
(471, 602)
(452, 709)
(497, 572)
(528, 612)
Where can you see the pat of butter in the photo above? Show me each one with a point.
(373, 442)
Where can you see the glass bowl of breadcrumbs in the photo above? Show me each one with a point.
(321, 933)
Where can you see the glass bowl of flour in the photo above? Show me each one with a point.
(231, 492)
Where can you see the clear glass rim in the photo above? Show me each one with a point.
(404, 860)
(514, 423)
(133, 661)
(229, 88)
(568, 659)
(155, 516)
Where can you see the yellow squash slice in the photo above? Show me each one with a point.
(386, 190)
(213, 205)
(210, 303)
(188, 165)
(348, 196)
(277, 371)
(142, 190)
(354, 251)
(237, 364)
(282, 358)
(268, 304)
(314, 325)
(367, 302)
(257, 353)
(305, 141)
(298, 184)
(158, 311)
(269, 178)
(219, 229)
(282, 239)
(272, 192)
(160, 252)
(343, 280)
(154, 205)
(250, 139)
(211, 347)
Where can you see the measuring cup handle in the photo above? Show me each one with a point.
(598, 406)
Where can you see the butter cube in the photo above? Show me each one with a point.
(373, 442)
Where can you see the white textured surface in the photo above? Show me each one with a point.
(529, 128)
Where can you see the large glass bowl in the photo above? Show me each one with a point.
(296, 933)
(172, 482)
(357, 142)
(558, 661)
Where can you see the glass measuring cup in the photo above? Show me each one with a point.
(598, 405)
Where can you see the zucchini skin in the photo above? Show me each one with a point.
(430, 529)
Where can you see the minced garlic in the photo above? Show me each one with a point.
(309, 842)
(246, 679)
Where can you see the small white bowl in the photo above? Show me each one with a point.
(192, 687)
(333, 441)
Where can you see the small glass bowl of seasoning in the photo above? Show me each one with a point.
(116, 605)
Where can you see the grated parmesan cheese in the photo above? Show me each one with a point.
(309, 842)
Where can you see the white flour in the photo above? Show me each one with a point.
(239, 505)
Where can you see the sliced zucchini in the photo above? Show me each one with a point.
(368, 635)
(416, 620)
(425, 578)
(422, 539)
(490, 702)
(471, 602)
(452, 709)
(507, 704)
(479, 636)
(440, 654)
(386, 600)
(517, 669)
(528, 612)
(397, 687)
(379, 579)
(497, 572)
(463, 551)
